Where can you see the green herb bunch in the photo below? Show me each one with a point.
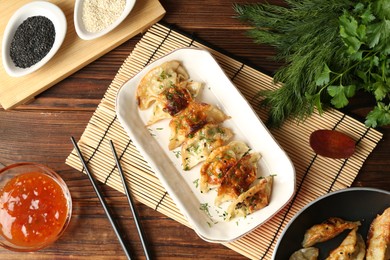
(332, 49)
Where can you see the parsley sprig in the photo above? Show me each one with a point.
(332, 50)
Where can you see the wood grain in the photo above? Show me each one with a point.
(74, 53)
(40, 131)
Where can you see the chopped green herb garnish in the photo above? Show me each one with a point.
(164, 75)
(224, 215)
(151, 132)
(196, 182)
(205, 207)
(177, 154)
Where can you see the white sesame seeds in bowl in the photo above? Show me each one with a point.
(95, 18)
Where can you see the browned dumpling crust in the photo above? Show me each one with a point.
(157, 80)
(378, 239)
(177, 97)
(219, 162)
(196, 115)
(173, 100)
(238, 178)
(327, 230)
(197, 148)
(352, 248)
(256, 198)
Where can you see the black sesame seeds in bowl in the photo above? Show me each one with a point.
(33, 35)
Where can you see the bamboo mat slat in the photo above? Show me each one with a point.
(315, 175)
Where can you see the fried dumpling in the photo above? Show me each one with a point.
(309, 253)
(204, 141)
(360, 250)
(352, 248)
(193, 87)
(378, 238)
(185, 124)
(238, 178)
(256, 198)
(219, 162)
(327, 230)
(174, 99)
(157, 80)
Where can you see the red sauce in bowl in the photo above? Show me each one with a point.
(33, 210)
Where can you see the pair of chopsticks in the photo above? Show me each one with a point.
(104, 204)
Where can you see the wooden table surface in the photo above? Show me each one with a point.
(40, 132)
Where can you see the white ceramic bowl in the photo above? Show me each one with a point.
(41, 8)
(83, 33)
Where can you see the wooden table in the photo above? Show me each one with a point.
(40, 131)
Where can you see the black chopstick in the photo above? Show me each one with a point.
(102, 201)
(131, 203)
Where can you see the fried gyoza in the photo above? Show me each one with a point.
(378, 239)
(327, 230)
(256, 198)
(199, 147)
(352, 248)
(238, 178)
(173, 100)
(196, 126)
(157, 80)
(196, 115)
(309, 253)
(219, 162)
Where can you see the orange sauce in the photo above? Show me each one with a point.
(33, 210)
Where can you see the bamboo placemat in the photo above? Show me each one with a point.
(315, 175)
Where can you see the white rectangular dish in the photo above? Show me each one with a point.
(152, 141)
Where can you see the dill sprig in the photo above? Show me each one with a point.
(308, 37)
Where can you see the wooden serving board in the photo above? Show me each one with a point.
(74, 53)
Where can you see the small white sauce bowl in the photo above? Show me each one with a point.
(36, 8)
(79, 24)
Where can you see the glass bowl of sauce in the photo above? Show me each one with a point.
(35, 207)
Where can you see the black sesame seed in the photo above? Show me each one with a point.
(32, 41)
